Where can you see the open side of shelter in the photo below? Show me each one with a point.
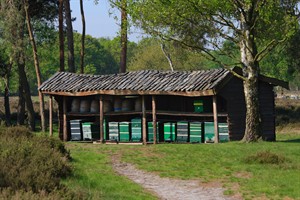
(158, 106)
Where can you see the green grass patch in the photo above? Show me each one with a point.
(94, 177)
(277, 178)
(274, 175)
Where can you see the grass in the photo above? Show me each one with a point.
(226, 163)
(94, 177)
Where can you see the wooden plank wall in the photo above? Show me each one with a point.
(267, 108)
(233, 92)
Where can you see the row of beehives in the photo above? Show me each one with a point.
(116, 105)
(181, 131)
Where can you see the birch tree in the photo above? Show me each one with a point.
(255, 26)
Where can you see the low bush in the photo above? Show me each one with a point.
(31, 163)
(266, 157)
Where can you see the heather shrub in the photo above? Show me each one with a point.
(266, 157)
(8, 193)
(31, 163)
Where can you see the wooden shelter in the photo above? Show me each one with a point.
(161, 96)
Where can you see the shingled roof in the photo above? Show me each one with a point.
(186, 83)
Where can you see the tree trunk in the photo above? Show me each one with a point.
(27, 94)
(61, 37)
(6, 100)
(71, 63)
(37, 67)
(253, 122)
(124, 38)
(82, 38)
(248, 50)
(167, 55)
(21, 105)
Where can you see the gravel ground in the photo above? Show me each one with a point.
(167, 188)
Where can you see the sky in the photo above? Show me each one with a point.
(99, 23)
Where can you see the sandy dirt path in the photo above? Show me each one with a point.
(167, 188)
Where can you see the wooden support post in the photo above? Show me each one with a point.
(65, 129)
(51, 115)
(144, 131)
(101, 119)
(215, 110)
(154, 119)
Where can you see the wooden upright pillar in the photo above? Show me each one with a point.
(101, 119)
(215, 111)
(51, 115)
(65, 130)
(154, 119)
(144, 131)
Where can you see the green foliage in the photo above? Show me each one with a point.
(149, 55)
(31, 163)
(96, 56)
(205, 25)
(113, 46)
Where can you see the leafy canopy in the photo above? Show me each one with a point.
(204, 25)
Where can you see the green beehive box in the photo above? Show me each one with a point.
(223, 132)
(90, 131)
(196, 132)
(150, 131)
(182, 131)
(124, 131)
(113, 131)
(169, 131)
(136, 129)
(198, 106)
(209, 132)
(104, 129)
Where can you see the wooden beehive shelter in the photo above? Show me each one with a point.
(159, 96)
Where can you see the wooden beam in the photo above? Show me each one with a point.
(215, 112)
(65, 130)
(101, 119)
(51, 115)
(154, 119)
(144, 131)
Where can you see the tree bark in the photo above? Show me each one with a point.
(71, 62)
(82, 38)
(21, 104)
(37, 67)
(167, 55)
(6, 100)
(19, 55)
(124, 39)
(248, 50)
(61, 37)
(27, 94)
(253, 122)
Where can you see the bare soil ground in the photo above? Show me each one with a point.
(170, 189)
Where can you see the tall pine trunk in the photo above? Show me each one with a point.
(70, 38)
(82, 38)
(6, 99)
(37, 66)
(124, 38)
(27, 94)
(21, 105)
(19, 54)
(61, 36)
